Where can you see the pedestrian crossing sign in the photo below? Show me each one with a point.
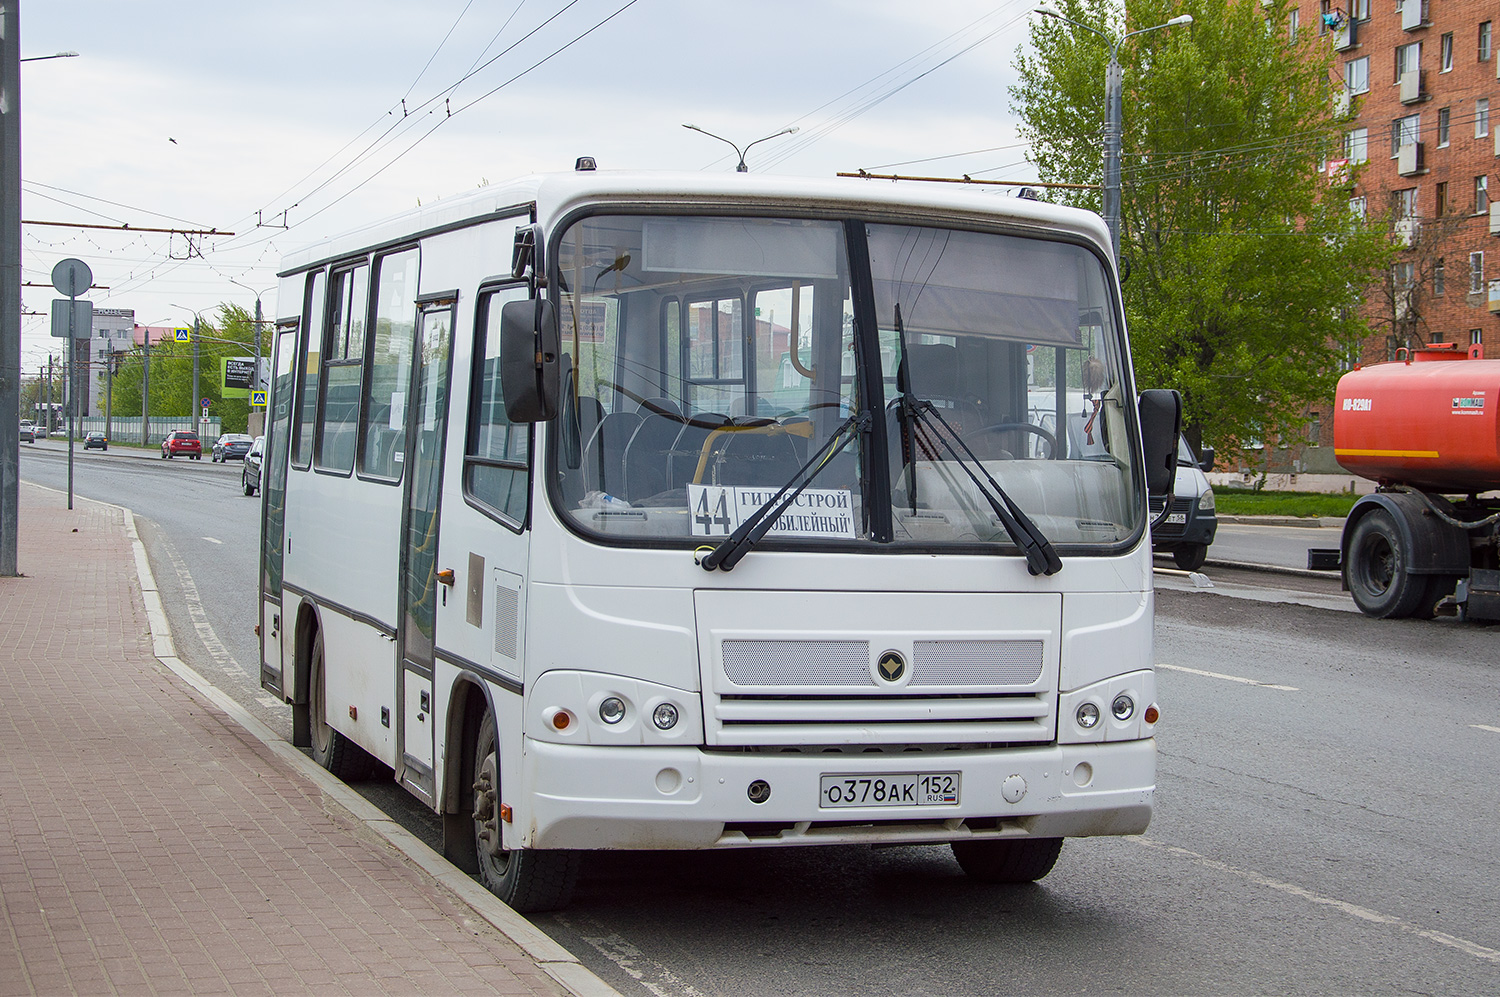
(182, 335)
(258, 399)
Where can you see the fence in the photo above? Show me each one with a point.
(128, 430)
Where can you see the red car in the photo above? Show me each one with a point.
(182, 442)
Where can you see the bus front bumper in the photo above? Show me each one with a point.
(590, 797)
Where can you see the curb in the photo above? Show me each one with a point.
(1310, 522)
(550, 957)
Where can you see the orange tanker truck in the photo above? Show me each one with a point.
(1426, 428)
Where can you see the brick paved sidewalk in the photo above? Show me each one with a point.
(148, 844)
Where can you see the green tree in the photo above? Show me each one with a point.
(172, 372)
(1246, 263)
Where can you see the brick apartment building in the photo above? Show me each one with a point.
(1422, 81)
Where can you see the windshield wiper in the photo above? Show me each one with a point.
(1041, 556)
(735, 546)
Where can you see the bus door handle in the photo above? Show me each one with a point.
(445, 576)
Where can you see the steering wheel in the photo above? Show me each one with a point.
(1019, 427)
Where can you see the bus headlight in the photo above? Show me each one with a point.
(1088, 715)
(1123, 707)
(612, 710)
(664, 716)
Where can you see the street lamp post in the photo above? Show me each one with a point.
(193, 414)
(742, 168)
(1113, 114)
(255, 384)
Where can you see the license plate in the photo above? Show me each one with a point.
(1177, 517)
(916, 789)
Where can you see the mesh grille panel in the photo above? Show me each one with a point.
(797, 662)
(507, 603)
(976, 662)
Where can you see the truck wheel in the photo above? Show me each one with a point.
(1377, 569)
(1007, 860)
(528, 880)
(1190, 557)
(330, 749)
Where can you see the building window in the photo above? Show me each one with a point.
(1405, 131)
(1484, 42)
(1357, 145)
(1445, 52)
(1476, 272)
(1359, 10)
(1476, 337)
(1314, 430)
(1444, 114)
(1481, 195)
(1442, 199)
(1291, 24)
(1357, 75)
(1438, 284)
(1357, 207)
(1325, 11)
(1408, 59)
(1405, 202)
(1481, 117)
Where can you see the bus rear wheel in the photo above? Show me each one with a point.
(1008, 860)
(330, 749)
(527, 880)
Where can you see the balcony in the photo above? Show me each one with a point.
(1341, 106)
(1495, 218)
(1346, 36)
(1495, 296)
(1411, 159)
(1414, 86)
(1414, 15)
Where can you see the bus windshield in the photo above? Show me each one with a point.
(708, 358)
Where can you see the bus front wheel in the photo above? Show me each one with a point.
(526, 879)
(1008, 860)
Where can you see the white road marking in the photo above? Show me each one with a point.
(212, 540)
(270, 702)
(1228, 678)
(1353, 910)
(199, 616)
(650, 974)
(1492, 730)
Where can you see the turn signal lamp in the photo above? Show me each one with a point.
(1150, 715)
(561, 720)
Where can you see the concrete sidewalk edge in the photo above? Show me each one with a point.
(556, 961)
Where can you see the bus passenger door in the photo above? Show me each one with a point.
(420, 587)
(273, 473)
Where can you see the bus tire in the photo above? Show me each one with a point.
(330, 749)
(528, 880)
(1007, 860)
(1377, 576)
(1190, 557)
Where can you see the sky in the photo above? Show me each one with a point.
(323, 115)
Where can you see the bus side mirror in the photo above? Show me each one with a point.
(529, 360)
(1206, 459)
(1161, 423)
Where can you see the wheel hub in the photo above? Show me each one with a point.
(486, 808)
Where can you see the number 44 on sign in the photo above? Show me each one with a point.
(716, 510)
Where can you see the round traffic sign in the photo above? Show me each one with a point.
(72, 277)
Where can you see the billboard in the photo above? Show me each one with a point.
(239, 376)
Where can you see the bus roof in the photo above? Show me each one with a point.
(555, 194)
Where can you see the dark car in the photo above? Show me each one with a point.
(231, 446)
(250, 476)
(184, 442)
(96, 441)
(1190, 525)
(28, 432)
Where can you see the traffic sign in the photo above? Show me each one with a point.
(83, 318)
(182, 335)
(72, 277)
(204, 402)
(258, 399)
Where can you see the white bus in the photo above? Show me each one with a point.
(637, 511)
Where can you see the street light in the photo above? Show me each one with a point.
(1113, 115)
(741, 168)
(55, 55)
(193, 404)
(255, 384)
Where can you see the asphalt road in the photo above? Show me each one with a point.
(1325, 815)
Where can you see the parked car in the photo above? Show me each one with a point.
(28, 432)
(95, 441)
(184, 442)
(1191, 522)
(231, 446)
(250, 476)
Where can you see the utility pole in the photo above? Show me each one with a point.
(193, 410)
(10, 283)
(146, 390)
(109, 393)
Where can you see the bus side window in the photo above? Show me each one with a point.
(497, 456)
(343, 357)
(390, 366)
(312, 345)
